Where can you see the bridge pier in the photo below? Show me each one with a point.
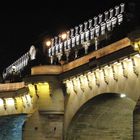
(44, 126)
(47, 122)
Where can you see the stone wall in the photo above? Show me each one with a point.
(136, 121)
(47, 122)
(105, 117)
(79, 93)
(43, 127)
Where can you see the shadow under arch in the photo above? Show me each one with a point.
(104, 117)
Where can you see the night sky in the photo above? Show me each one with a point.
(22, 25)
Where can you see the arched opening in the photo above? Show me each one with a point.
(107, 116)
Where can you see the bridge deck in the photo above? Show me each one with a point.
(55, 69)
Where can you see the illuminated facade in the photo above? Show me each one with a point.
(88, 89)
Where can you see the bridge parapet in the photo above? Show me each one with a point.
(57, 69)
(11, 86)
(17, 98)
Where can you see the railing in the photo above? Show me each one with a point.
(90, 33)
(19, 64)
(85, 35)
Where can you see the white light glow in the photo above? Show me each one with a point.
(122, 95)
(136, 45)
(90, 76)
(45, 83)
(69, 86)
(64, 36)
(106, 66)
(48, 43)
(127, 59)
(1, 102)
(10, 101)
(137, 55)
(98, 70)
(117, 63)
(23, 100)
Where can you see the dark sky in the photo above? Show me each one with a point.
(23, 24)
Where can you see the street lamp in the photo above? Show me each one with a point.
(48, 43)
(64, 36)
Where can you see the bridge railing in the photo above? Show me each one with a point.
(90, 33)
(19, 64)
(85, 35)
(17, 98)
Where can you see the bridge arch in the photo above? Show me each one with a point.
(119, 77)
(105, 116)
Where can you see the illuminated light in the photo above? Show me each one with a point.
(48, 43)
(69, 86)
(15, 102)
(83, 82)
(64, 36)
(28, 100)
(88, 81)
(90, 78)
(1, 102)
(30, 86)
(4, 103)
(45, 83)
(28, 97)
(76, 84)
(31, 90)
(122, 7)
(41, 87)
(105, 77)
(13, 68)
(117, 63)
(107, 67)
(114, 73)
(137, 55)
(98, 70)
(134, 66)
(23, 101)
(125, 72)
(32, 52)
(136, 46)
(10, 101)
(96, 79)
(89, 73)
(122, 95)
(127, 59)
(139, 44)
(86, 46)
(31, 100)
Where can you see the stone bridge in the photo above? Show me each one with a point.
(93, 97)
